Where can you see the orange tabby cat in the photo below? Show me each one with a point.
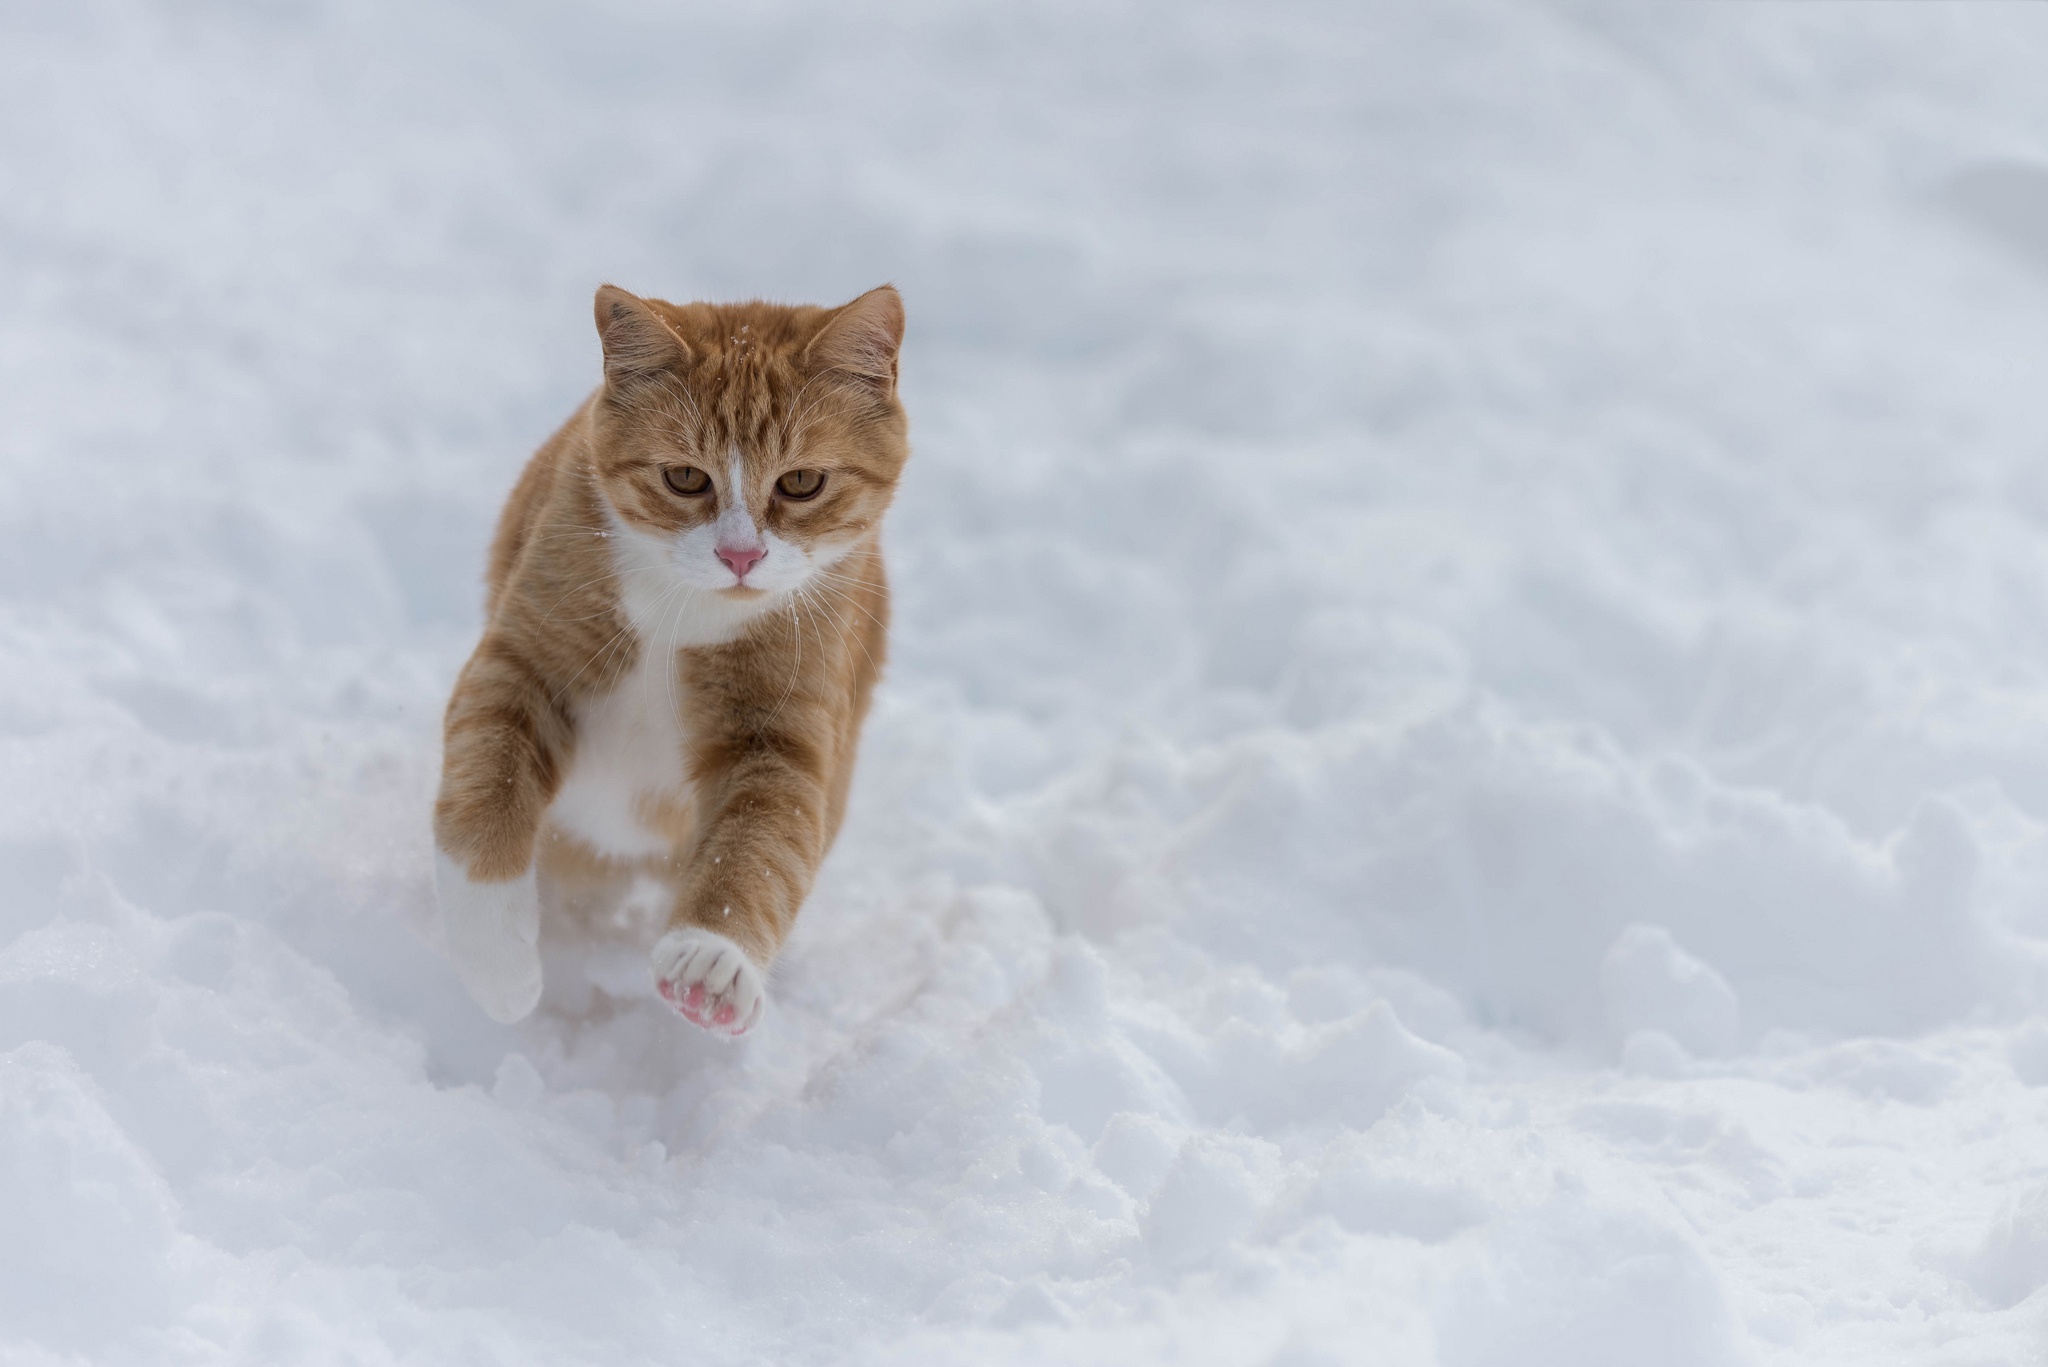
(686, 612)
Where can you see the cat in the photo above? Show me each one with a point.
(686, 614)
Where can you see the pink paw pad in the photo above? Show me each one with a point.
(709, 980)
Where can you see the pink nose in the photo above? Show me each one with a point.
(740, 559)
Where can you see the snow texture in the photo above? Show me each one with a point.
(1464, 777)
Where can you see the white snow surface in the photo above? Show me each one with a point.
(1464, 777)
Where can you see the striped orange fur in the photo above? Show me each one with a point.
(687, 612)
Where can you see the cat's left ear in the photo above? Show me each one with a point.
(862, 339)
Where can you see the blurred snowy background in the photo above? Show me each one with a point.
(1465, 774)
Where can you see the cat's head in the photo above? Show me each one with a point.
(749, 446)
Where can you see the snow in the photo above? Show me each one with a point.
(1464, 777)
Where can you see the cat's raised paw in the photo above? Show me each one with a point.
(710, 980)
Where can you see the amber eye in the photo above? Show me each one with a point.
(801, 484)
(686, 480)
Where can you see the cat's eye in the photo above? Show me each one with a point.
(800, 484)
(686, 480)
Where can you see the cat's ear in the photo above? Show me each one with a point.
(861, 340)
(636, 340)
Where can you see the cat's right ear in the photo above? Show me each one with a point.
(636, 340)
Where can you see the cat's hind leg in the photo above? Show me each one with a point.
(710, 980)
(493, 934)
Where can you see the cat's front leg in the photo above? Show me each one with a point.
(762, 840)
(501, 763)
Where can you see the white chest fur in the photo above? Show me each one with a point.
(631, 761)
(632, 753)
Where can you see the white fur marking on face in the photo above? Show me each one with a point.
(735, 524)
(669, 587)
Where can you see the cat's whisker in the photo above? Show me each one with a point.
(551, 619)
(795, 669)
(618, 636)
(668, 673)
(567, 594)
(847, 630)
(599, 536)
(861, 608)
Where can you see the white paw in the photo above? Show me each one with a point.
(710, 980)
(493, 937)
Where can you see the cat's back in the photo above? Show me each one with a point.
(531, 501)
